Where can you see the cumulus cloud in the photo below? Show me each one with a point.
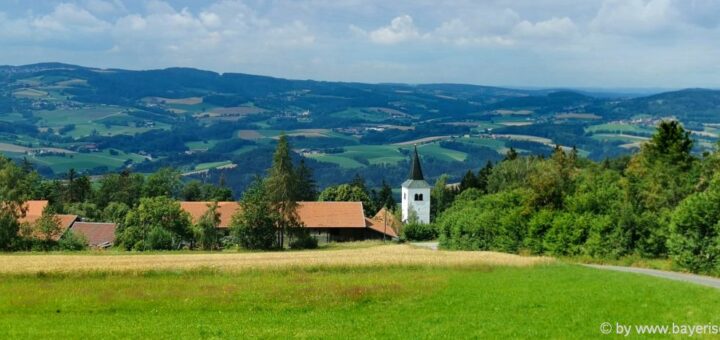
(67, 18)
(400, 29)
(551, 28)
(635, 16)
(458, 32)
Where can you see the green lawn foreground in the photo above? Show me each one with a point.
(546, 301)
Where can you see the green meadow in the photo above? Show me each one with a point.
(620, 128)
(83, 161)
(353, 156)
(543, 301)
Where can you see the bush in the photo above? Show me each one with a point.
(304, 241)
(73, 242)
(695, 232)
(490, 222)
(159, 239)
(538, 226)
(419, 232)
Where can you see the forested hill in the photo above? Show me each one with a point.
(211, 125)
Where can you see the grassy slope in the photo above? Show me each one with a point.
(548, 301)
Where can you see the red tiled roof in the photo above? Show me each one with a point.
(197, 209)
(96, 233)
(35, 208)
(378, 223)
(312, 214)
(331, 214)
(65, 221)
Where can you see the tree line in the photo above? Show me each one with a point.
(148, 213)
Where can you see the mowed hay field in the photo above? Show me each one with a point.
(329, 294)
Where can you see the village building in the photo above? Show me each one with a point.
(327, 221)
(33, 211)
(416, 194)
(98, 235)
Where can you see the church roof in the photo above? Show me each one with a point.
(415, 184)
(416, 170)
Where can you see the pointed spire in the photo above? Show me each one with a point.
(416, 170)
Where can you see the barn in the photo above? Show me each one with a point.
(327, 221)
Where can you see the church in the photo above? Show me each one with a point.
(416, 195)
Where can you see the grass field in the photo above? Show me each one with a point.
(211, 165)
(374, 154)
(391, 295)
(618, 137)
(84, 161)
(620, 128)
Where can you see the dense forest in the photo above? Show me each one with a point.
(660, 202)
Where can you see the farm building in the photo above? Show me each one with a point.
(327, 221)
(33, 212)
(98, 235)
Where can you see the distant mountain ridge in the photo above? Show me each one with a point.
(100, 120)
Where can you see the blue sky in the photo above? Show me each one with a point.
(535, 43)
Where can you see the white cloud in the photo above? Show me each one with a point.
(552, 28)
(635, 16)
(400, 29)
(69, 17)
(457, 32)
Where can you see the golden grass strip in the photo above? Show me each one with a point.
(389, 255)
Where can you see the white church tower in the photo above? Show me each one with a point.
(416, 193)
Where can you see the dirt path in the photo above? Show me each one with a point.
(697, 279)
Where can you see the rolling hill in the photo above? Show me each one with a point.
(59, 116)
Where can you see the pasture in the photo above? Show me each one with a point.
(85, 161)
(370, 292)
(621, 128)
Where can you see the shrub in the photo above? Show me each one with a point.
(695, 232)
(159, 239)
(155, 213)
(491, 222)
(73, 242)
(9, 228)
(304, 241)
(419, 232)
(538, 226)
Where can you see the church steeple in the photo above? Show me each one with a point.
(415, 194)
(416, 171)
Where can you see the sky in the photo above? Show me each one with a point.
(521, 43)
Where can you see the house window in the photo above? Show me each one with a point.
(418, 197)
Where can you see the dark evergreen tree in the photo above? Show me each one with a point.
(468, 181)
(281, 186)
(511, 154)
(385, 197)
(306, 187)
(359, 181)
(482, 177)
(192, 191)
